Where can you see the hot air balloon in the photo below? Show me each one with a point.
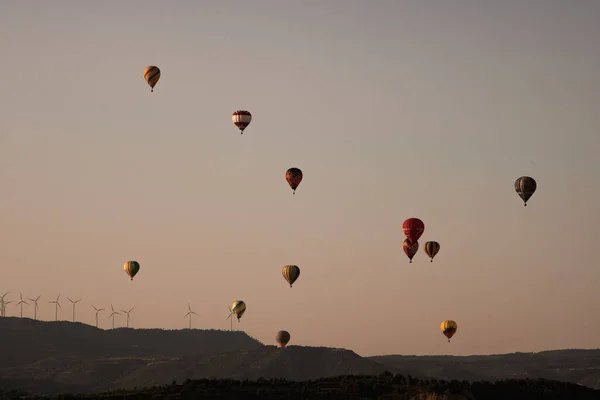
(152, 75)
(413, 229)
(282, 338)
(432, 248)
(525, 187)
(448, 328)
(293, 176)
(132, 268)
(241, 119)
(291, 273)
(410, 248)
(238, 308)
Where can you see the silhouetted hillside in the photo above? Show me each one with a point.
(25, 341)
(53, 375)
(384, 386)
(577, 366)
(58, 357)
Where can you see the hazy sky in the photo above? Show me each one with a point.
(393, 109)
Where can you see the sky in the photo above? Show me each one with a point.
(392, 109)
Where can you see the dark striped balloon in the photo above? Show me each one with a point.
(152, 75)
(291, 273)
(525, 187)
(432, 248)
(132, 268)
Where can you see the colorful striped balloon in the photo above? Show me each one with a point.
(152, 75)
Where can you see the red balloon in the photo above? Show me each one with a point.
(413, 229)
(410, 248)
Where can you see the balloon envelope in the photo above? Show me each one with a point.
(132, 268)
(294, 176)
(525, 187)
(413, 228)
(291, 273)
(241, 119)
(238, 308)
(449, 328)
(152, 75)
(282, 338)
(410, 248)
(432, 248)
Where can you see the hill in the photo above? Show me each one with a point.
(59, 357)
(383, 386)
(91, 375)
(31, 341)
(54, 357)
(577, 366)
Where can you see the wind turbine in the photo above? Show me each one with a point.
(97, 311)
(112, 315)
(127, 312)
(35, 307)
(230, 315)
(3, 305)
(190, 312)
(74, 302)
(57, 305)
(21, 304)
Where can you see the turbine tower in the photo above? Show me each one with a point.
(189, 314)
(112, 315)
(3, 305)
(97, 311)
(35, 306)
(127, 312)
(74, 302)
(21, 304)
(56, 306)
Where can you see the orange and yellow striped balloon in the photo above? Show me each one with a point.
(152, 75)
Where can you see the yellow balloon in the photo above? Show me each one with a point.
(449, 328)
(238, 308)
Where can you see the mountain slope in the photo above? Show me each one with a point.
(577, 366)
(31, 341)
(109, 373)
